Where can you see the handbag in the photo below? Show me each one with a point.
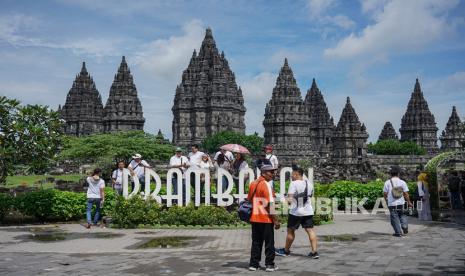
(245, 208)
(304, 195)
(397, 192)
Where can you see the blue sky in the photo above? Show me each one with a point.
(371, 51)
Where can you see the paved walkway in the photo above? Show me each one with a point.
(429, 248)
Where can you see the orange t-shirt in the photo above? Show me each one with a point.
(264, 195)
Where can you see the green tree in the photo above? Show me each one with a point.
(395, 147)
(253, 142)
(103, 149)
(29, 135)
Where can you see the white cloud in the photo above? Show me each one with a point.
(165, 59)
(401, 26)
(319, 11)
(257, 92)
(20, 31)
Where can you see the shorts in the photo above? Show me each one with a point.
(294, 222)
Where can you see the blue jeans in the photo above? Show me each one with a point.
(90, 203)
(225, 184)
(398, 219)
(455, 200)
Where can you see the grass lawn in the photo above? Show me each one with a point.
(31, 180)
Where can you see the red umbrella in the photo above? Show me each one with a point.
(235, 148)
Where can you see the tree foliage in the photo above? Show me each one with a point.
(108, 148)
(252, 142)
(395, 147)
(29, 135)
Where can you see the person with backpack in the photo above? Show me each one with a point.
(300, 213)
(95, 196)
(423, 206)
(396, 194)
(262, 219)
(454, 190)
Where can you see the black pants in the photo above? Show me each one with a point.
(262, 232)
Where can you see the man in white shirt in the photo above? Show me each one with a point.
(396, 193)
(300, 213)
(117, 178)
(268, 149)
(195, 156)
(181, 162)
(137, 168)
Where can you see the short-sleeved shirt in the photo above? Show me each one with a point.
(195, 159)
(297, 187)
(139, 168)
(388, 189)
(227, 155)
(176, 161)
(93, 191)
(117, 175)
(273, 159)
(263, 197)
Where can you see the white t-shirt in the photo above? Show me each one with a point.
(138, 168)
(227, 154)
(195, 159)
(93, 191)
(273, 159)
(206, 165)
(176, 161)
(388, 189)
(118, 176)
(297, 187)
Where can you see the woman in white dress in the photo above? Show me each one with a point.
(424, 210)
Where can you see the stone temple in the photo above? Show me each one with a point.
(453, 137)
(388, 133)
(123, 110)
(208, 99)
(418, 122)
(84, 113)
(287, 120)
(83, 110)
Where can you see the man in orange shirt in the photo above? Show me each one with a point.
(263, 219)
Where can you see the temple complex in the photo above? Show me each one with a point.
(388, 133)
(453, 137)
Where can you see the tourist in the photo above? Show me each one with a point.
(95, 196)
(181, 162)
(137, 168)
(117, 178)
(195, 157)
(207, 164)
(263, 219)
(262, 160)
(226, 153)
(224, 162)
(300, 213)
(453, 183)
(396, 193)
(423, 206)
(268, 149)
(239, 164)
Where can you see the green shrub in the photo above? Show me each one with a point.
(395, 147)
(6, 203)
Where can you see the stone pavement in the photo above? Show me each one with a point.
(367, 248)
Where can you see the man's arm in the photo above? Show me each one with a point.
(407, 197)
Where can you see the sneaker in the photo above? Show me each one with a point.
(405, 230)
(397, 235)
(282, 252)
(314, 255)
(271, 268)
(253, 268)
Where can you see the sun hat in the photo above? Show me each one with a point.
(137, 156)
(267, 168)
(179, 149)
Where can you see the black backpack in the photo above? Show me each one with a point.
(304, 195)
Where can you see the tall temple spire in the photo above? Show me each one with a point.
(286, 119)
(349, 139)
(83, 110)
(388, 132)
(123, 110)
(418, 122)
(208, 99)
(320, 123)
(453, 136)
